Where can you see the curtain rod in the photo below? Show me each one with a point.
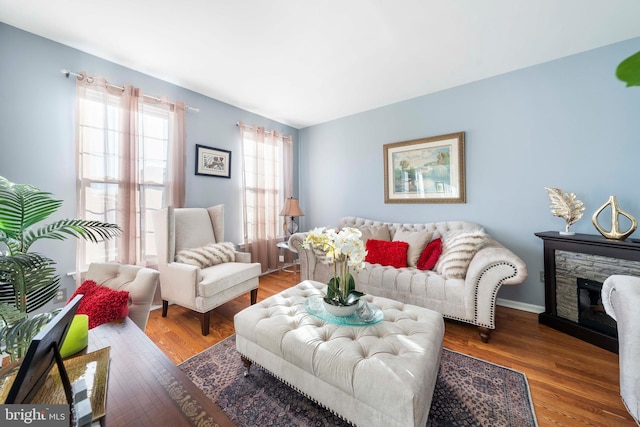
(68, 73)
(252, 127)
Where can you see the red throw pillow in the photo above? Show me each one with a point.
(430, 255)
(387, 253)
(101, 304)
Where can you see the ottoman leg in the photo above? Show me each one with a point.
(247, 365)
(254, 296)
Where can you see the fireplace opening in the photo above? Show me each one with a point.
(591, 312)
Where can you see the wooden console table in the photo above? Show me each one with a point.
(145, 387)
(628, 249)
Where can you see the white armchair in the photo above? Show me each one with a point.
(621, 299)
(140, 282)
(199, 289)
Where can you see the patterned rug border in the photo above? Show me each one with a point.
(207, 349)
(506, 368)
(532, 407)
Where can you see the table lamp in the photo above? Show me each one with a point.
(291, 209)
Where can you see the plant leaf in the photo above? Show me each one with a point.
(353, 297)
(333, 288)
(22, 206)
(9, 315)
(18, 337)
(28, 281)
(629, 70)
(93, 231)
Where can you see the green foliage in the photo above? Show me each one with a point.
(629, 70)
(336, 297)
(28, 280)
(18, 336)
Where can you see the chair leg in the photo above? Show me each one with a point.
(165, 307)
(204, 322)
(254, 296)
(485, 334)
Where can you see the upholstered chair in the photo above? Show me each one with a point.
(186, 281)
(140, 282)
(621, 300)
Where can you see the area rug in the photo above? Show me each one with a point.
(469, 392)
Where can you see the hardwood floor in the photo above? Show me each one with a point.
(573, 383)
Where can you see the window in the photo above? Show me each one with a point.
(263, 184)
(268, 181)
(124, 169)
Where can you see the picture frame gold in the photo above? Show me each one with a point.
(213, 161)
(425, 170)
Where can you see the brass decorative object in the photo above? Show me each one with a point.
(565, 205)
(614, 233)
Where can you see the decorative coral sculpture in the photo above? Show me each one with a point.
(565, 205)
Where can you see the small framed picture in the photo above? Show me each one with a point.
(427, 170)
(213, 161)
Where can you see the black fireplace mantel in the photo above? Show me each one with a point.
(628, 249)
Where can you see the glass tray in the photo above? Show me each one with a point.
(315, 306)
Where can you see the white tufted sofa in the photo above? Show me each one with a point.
(375, 375)
(471, 300)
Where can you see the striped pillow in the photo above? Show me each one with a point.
(206, 256)
(459, 248)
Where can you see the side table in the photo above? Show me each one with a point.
(296, 264)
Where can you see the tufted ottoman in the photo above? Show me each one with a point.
(375, 375)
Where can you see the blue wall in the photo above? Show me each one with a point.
(37, 134)
(568, 123)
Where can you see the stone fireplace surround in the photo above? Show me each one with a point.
(586, 256)
(572, 265)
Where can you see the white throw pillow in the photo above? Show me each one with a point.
(206, 256)
(459, 248)
(417, 240)
(378, 232)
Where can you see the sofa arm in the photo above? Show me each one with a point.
(244, 257)
(311, 267)
(621, 299)
(306, 257)
(491, 267)
(140, 282)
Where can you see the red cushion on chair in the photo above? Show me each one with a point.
(430, 255)
(101, 304)
(383, 252)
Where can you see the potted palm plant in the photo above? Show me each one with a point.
(28, 280)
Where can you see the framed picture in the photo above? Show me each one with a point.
(427, 170)
(213, 161)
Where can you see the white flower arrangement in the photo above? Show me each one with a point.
(344, 249)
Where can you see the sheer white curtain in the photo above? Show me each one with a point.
(130, 162)
(267, 182)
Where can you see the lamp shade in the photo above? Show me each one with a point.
(291, 208)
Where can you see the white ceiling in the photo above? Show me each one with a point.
(304, 63)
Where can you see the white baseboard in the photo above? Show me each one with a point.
(520, 305)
